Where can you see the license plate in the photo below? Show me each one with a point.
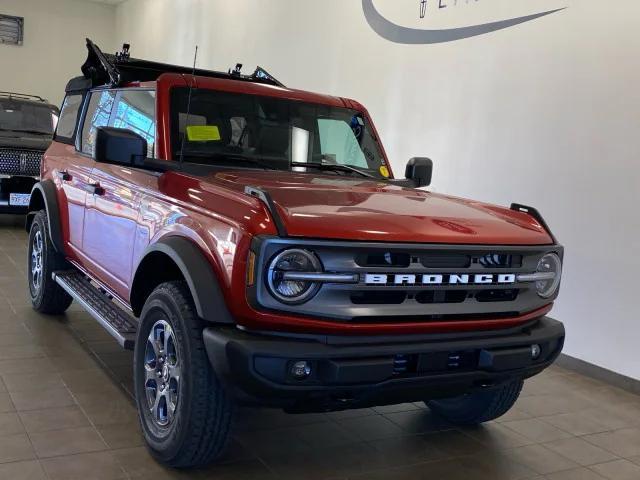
(19, 199)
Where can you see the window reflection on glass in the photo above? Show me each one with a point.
(98, 113)
(135, 110)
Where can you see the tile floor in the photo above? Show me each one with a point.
(66, 413)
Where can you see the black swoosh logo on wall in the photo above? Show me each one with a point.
(414, 36)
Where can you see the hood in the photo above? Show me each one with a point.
(323, 206)
(23, 140)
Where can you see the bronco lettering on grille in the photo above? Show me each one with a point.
(439, 279)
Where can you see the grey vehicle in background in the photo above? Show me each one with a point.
(27, 123)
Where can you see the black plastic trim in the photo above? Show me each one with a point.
(47, 190)
(268, 201)
(198, 274)
(255, 367)
(537, 215)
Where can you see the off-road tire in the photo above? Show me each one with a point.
(48, 297)
(200, 428)
(478, 407)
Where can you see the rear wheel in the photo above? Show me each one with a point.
(184, 411)
(46, 295)
(478, 407)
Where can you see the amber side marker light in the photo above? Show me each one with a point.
(251, 268)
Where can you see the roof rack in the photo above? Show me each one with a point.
(115, 70)
(22, 96)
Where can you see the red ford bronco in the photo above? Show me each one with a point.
(251, 243)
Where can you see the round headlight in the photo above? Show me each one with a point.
(293, 260)
(551, 265)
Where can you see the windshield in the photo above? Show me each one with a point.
(27, 117)
(247, 130)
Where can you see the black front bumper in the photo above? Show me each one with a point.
(355, 372)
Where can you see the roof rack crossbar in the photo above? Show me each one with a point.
(114, 70)
(22, 96)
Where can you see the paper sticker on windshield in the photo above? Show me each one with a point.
(384, 171)
(203, 133)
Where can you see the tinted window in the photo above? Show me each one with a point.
(135, 110)
(69, 116)
(31, 117)
(98, 113)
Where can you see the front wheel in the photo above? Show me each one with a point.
(46, 295)
(478, 407)
(183, 409)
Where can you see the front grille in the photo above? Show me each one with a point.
(20, 162)
(400, 289)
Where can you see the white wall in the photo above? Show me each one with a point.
(546, 113)
(54, 44)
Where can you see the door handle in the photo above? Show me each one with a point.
(63, 175)
(94, 189)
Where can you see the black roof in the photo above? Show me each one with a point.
(103, 69)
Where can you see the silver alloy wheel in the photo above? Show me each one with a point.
(37, 248)
(162, 373)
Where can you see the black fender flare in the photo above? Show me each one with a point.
(198, 273)
(45, 191)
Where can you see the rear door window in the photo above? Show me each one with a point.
(68, 118)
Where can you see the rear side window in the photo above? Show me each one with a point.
(135, 110)
(98, 113)
(68, 118)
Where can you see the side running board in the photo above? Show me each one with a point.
(114, 319)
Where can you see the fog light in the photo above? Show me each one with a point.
(535, 351)
(301, 370)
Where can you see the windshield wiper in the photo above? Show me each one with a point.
(236, 157)
(332, 168)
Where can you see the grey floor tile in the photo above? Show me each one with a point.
(618, 470)
(540, 459)
(580, 423)
(624, 442)
(496, 436)
(6, 405)
(53, 419)
(241, 470)
(495, 465)
(138, 463)
(27, 365)
(580, 451)
(552, 404)
(126, 435)
(27, 470)
(14, 448)
(575, 474)
(87, 466)
(536, 430)
(10, 424)
(372, 427)
(320, 463)
(454, 443)
(25, 400)
(66, 442)
(418, 421)
(22, 382)
(399, 451)
(401, 407)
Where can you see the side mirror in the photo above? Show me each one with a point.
(119, 146)
(419, 170)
